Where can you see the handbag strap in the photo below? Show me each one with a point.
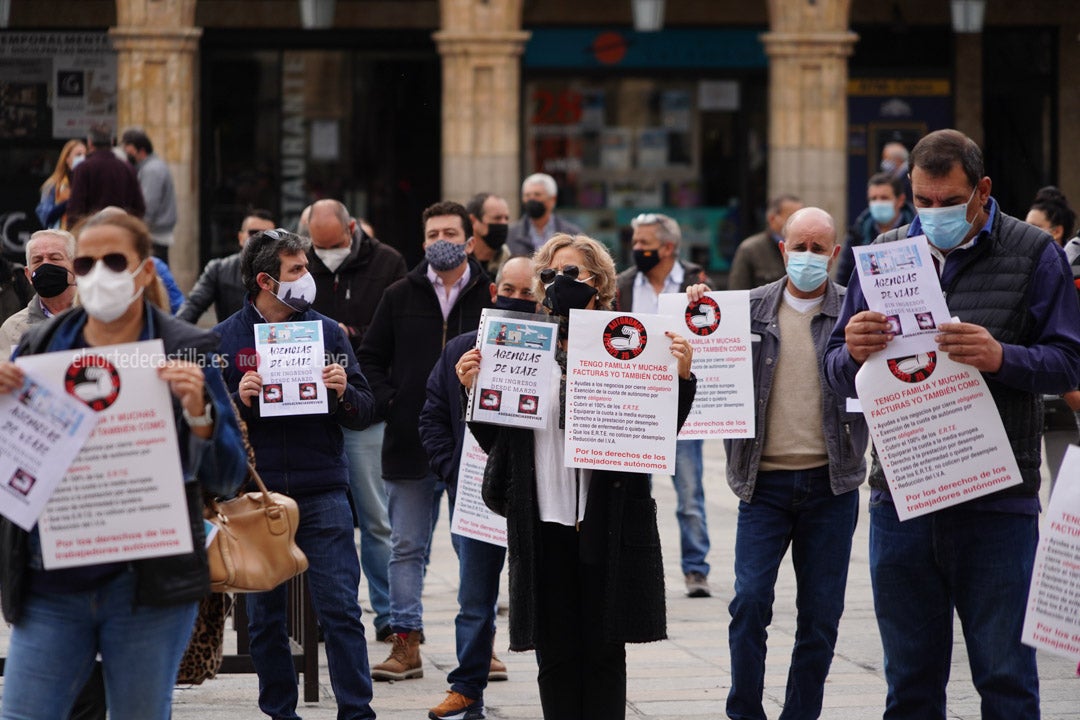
(254, 475)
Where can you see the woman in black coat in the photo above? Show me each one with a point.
(586, 574)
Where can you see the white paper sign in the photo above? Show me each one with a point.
(43, 429)
(936, 430)
(472, 518)
(898, 280)
(123, 496)
(622, 392)
(718, 328)
(1052, 622)
(514, 384)
(291, 361)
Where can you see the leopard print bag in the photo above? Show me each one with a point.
(202, 658)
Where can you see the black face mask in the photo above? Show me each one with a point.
(646, 260)
(535, 209)
(564, 295)
(496, 236)
(50, 280)
(516, 304)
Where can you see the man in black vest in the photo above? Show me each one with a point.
(1011, 288)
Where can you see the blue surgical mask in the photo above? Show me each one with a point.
(807, 270)
(883, 211)
(946, 227)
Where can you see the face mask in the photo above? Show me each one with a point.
(107, 294)
(332, 257)
(564, 295)
(496, 236)
(946, 227)
(889, 166)
(297, 294)
(76, 159)
(443, 255)
(535, 209)
(133, 160)
(882, 211)
(516, 304)
(646, 260)
(49, 280)
(807, 270)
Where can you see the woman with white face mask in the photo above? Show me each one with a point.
(138, 615)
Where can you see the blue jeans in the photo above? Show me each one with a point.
(364, 448)
(326, 537)
(479, 567)
(795, 508)
(690, 507)
(979, 563)
(53, 647)
(410, 524)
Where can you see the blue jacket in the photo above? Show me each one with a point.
(846, 434)
(299, 454)
(442, 421)
(863, 232)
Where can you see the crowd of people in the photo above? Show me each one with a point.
(583, 549)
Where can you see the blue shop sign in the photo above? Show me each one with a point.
(675, 48)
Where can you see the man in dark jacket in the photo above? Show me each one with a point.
(442, 430)
(351, 271)
(103, 180)
(658, 269)
(1011, 288)
(302, 456)
(439, 299)
(887, 208)
(219, 284)
(539, 223)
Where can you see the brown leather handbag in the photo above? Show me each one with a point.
(254, 549)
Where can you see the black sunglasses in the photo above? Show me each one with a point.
(117, 262)
(547, 275)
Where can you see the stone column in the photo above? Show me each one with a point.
(808, 47)
(969, 85)
(481, 45)
(157, 46)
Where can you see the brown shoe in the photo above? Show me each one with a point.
(498, 669)
(404, 661)
(457, 707)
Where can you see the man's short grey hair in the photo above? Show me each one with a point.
(262, 254)
(550, 186)
(667, 227)
(68, 238)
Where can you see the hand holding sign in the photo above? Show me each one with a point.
(970, 344)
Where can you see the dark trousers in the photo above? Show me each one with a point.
(581, 676)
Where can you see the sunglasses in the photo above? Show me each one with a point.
(275, 234)
(117, 262)
(547, 275)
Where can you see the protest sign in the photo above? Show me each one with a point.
(936, 430)
(1052, 621)
(44, 428)
(899, 281)
(718, 328)
(622, 392)
(291, 361)
(472, 518)
(122, 497)
(513, 386)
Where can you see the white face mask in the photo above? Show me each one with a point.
(76, 159)
(107, 294)
(297, 294)
(333, 257)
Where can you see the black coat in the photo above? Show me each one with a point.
(619, 528)
(404, 341)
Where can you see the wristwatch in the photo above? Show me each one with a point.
(204, 420)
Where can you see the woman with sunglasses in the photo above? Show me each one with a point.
(138, 615)
(586, 575)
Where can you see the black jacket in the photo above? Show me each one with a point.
(619, 528)
(351, 294)
(219, 284)
(166, 580)
(404, 341)
(520, 242)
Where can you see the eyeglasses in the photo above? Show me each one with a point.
(647, 219)
(117, 262)
(275, 234)
(547, 275)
